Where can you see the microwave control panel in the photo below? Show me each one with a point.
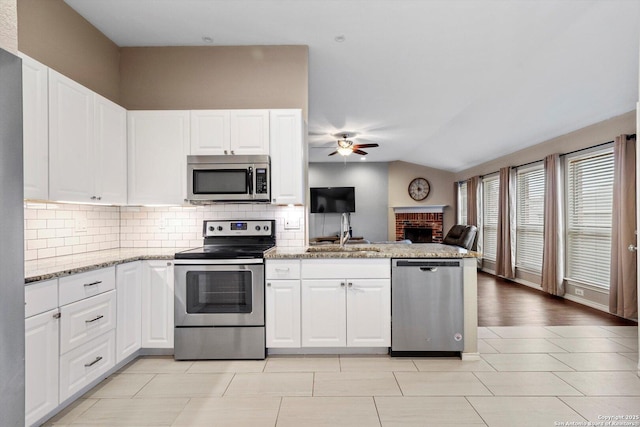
(261, 181)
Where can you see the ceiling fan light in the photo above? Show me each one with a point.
(345, 151)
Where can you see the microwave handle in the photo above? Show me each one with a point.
(250, 171)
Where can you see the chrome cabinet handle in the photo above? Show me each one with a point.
(350, 284)
(233, 152)
(632, 248)
(99, 358)
(342, 284)
(268, 283)
(99, 197)
(93, 197)
(93, 320)
(92, 283)
(57, 315)
(226, 152)
(282, 269)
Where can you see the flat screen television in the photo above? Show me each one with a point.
(333, 199)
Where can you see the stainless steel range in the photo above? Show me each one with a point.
(219, 292)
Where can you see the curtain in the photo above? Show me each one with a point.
(623, 300)
(473, 210)
(553, 230)
(506, 244)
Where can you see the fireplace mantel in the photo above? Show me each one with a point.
(420, 209)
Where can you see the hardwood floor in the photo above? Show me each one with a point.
(504, 303)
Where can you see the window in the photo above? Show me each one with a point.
(490, 195)
(462, 203)
(589, 206)
(529, 217)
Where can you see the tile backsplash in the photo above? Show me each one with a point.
(56, 229)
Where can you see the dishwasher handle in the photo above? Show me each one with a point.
(430, 269)
(426, 264)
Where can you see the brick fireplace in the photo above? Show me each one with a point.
(420, 225)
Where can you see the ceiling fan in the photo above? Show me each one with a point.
(346, 146)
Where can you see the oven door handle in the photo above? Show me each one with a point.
(235, 261)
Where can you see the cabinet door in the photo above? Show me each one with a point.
(110, 126)
(157, 304)
(129, 309)
(210, 132)
(157, 163)
(288, 157)
(283, 313)
(71, 168)
(323, 313)
(368, 312)
(249, 131)
(35, 119)
(41, 365)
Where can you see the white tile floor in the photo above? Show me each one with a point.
(528, 376)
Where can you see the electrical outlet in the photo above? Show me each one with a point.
(579, 292)
(163, 223)
(81, 225)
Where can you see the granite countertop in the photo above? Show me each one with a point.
(51, 268)
(384, 250)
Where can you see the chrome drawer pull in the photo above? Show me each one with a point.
(282, 269)
(93, 320)
(99, 358)
(93, 283)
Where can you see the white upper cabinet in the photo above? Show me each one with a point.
(87, 144)
(288, 157)
(158, 146)
(219, 132)
(35, 128)
(210, 132)
(71, 171)
(110, 151)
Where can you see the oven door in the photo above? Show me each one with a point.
(220, 293)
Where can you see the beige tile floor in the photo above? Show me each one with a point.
(528, 376)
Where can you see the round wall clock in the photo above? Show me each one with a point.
(419, 189)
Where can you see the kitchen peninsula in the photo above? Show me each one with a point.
(332, 298)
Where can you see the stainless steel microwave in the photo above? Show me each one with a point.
(228, 179)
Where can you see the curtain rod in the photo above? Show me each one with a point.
(632, 136)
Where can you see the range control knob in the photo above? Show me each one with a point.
(266, 228)
(219, 228)
(257, 228)
(211, 228)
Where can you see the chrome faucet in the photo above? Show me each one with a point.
(345, 226)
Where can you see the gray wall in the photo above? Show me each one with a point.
(371, 182)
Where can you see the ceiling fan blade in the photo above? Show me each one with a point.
(365, 146)
(335, 152)
(362, 153)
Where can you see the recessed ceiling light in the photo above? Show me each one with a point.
(340, 38)
(207, 39)
(363, 158)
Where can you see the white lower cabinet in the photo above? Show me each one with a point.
(86, 363)
(282, 303)
(129, 309)
(346, 303)
(86, 319)
(157, 304)
(41, 365)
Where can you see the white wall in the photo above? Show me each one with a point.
(371, 182)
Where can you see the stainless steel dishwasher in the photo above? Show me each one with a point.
(427, 313)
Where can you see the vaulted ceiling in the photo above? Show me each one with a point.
(443, 83)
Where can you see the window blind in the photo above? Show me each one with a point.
(529, 217)
(462, 203)
(490, 194)
(589, 207)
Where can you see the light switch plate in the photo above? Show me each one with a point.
(292, 224)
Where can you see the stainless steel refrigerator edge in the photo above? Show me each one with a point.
(11, 243)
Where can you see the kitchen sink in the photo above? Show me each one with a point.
(344, 249)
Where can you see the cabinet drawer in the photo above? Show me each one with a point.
(84, 285)
(84, 364)
(370, 268)
(40, 297)
(282, 269)
(84, 320)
